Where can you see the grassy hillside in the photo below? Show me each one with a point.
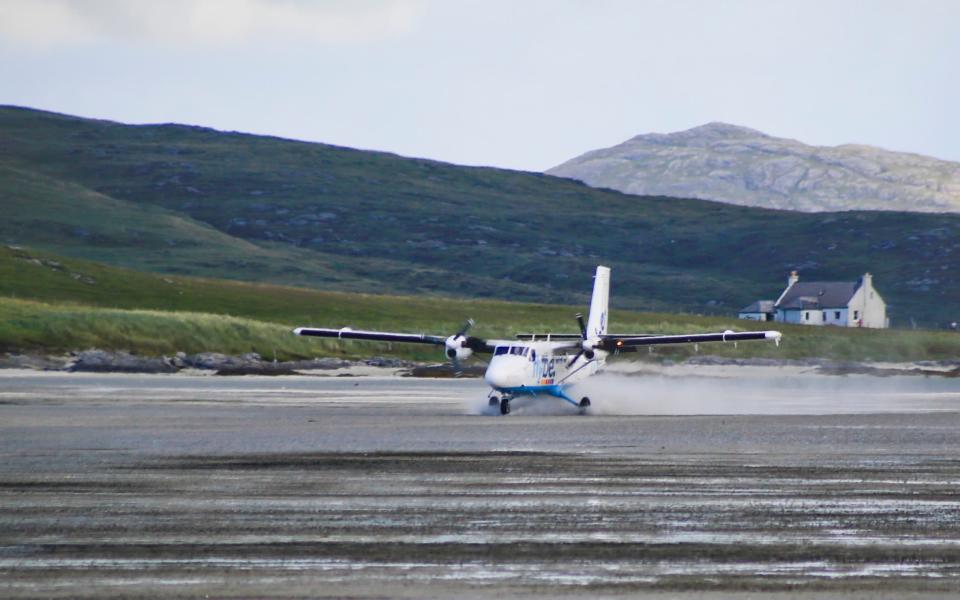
(53, 304)
(190, 200)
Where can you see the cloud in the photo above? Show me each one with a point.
(56, 23)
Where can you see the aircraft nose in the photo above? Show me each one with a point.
(500, 375)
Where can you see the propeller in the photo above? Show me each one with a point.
(583, 326)
(459, 346)
(466, 327)
(586, 346)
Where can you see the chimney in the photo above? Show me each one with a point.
(794, 277)
(867, 280)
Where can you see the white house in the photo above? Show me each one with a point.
(761, 310)
(840, 303)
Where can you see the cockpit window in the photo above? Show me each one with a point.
(533, 355)
(515, 350)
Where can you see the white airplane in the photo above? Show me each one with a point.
(537, 364)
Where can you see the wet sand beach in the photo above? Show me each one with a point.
(179, 486)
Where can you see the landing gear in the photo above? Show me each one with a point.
(503, 402)
(584, 405)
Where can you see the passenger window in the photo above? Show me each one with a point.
(501, 350)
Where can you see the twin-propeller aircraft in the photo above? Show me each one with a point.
(545, 364)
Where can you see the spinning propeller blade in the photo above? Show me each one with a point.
(466, 327)
(457, 341)
(583, 339)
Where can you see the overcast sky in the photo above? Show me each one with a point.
(513, 83)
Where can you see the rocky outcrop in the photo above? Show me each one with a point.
(102, 361)
(743, 166)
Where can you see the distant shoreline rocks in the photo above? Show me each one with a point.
(109, 361)
(106, 361)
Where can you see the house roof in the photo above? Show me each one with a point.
(760, 306)
(818, 294)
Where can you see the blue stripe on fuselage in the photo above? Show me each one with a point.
(533, 390)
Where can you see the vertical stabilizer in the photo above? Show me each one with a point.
(597, 322)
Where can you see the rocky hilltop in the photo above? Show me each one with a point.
(743, 166)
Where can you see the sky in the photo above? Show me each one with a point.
(523, 84)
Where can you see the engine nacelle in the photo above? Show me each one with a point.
(588, 346)
(456, 349)
(459, 353)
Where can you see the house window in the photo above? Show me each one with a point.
(806, 316)
(836, 315)
(856, 315)
(824, 315)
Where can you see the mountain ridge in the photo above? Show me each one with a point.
(743, 166)
(196, 201)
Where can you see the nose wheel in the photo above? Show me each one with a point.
(503, 402)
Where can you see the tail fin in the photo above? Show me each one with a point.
(597, 322)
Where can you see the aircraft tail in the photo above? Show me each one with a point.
(599, 303)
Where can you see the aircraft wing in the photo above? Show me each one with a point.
(618, 343)
(474, 343)
(383, 336)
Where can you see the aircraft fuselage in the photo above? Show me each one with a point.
(530, 368)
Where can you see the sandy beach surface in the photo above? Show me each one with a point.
(685, 482)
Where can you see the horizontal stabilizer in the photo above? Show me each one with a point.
(540, 337)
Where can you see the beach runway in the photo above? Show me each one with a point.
(310, 486)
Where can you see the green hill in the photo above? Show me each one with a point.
(54, 304)
(190, 200)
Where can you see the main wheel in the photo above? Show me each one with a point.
(504, 407)
(584, 404)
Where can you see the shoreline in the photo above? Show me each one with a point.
(100, 361)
